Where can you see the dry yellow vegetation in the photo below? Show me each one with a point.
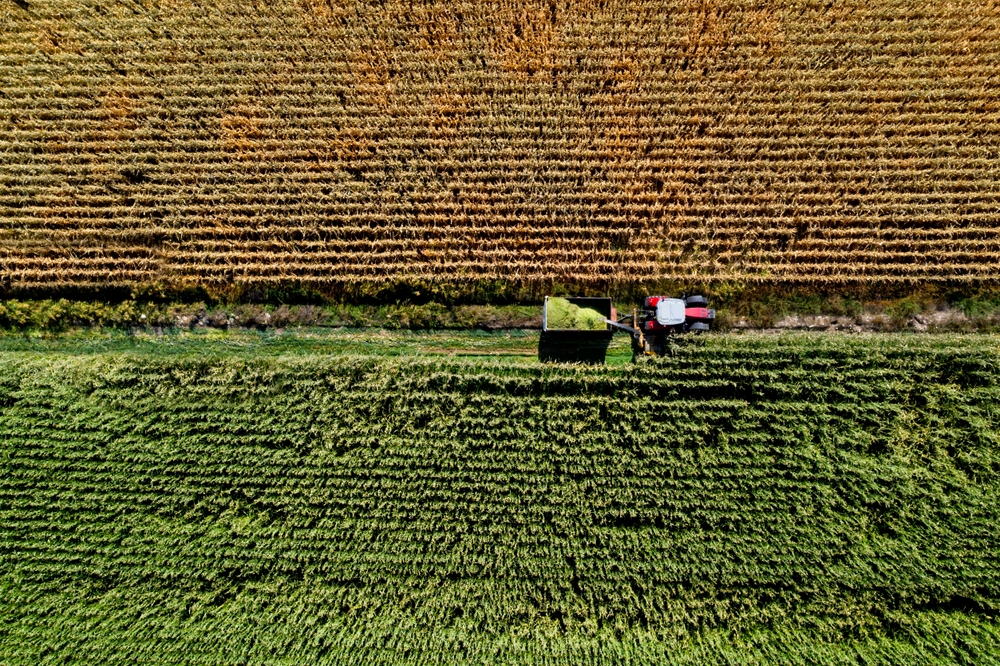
(339, 143)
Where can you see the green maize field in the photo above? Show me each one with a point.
(753, 499)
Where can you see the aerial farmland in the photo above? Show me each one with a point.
(274, 378)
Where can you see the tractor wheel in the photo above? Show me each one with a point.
(698, 327)
(696, 301)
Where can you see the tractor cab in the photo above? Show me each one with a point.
(670, 311)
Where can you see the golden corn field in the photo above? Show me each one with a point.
(333, 143)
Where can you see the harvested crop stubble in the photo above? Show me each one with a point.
(751, 500)
(358, 146)
(561, 314)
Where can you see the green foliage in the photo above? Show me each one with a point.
(750, 500)
(977, 307)
(903, 309)
(842, 306)
(561, 314)
(57, 315)
(60, 315)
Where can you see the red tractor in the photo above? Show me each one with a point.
(661, 317)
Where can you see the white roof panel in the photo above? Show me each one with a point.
(670, 312)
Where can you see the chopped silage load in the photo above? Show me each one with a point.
(560, 313)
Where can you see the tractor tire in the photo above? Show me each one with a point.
(698, 327)
(696, 302)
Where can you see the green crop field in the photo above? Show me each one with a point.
(752, 499)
